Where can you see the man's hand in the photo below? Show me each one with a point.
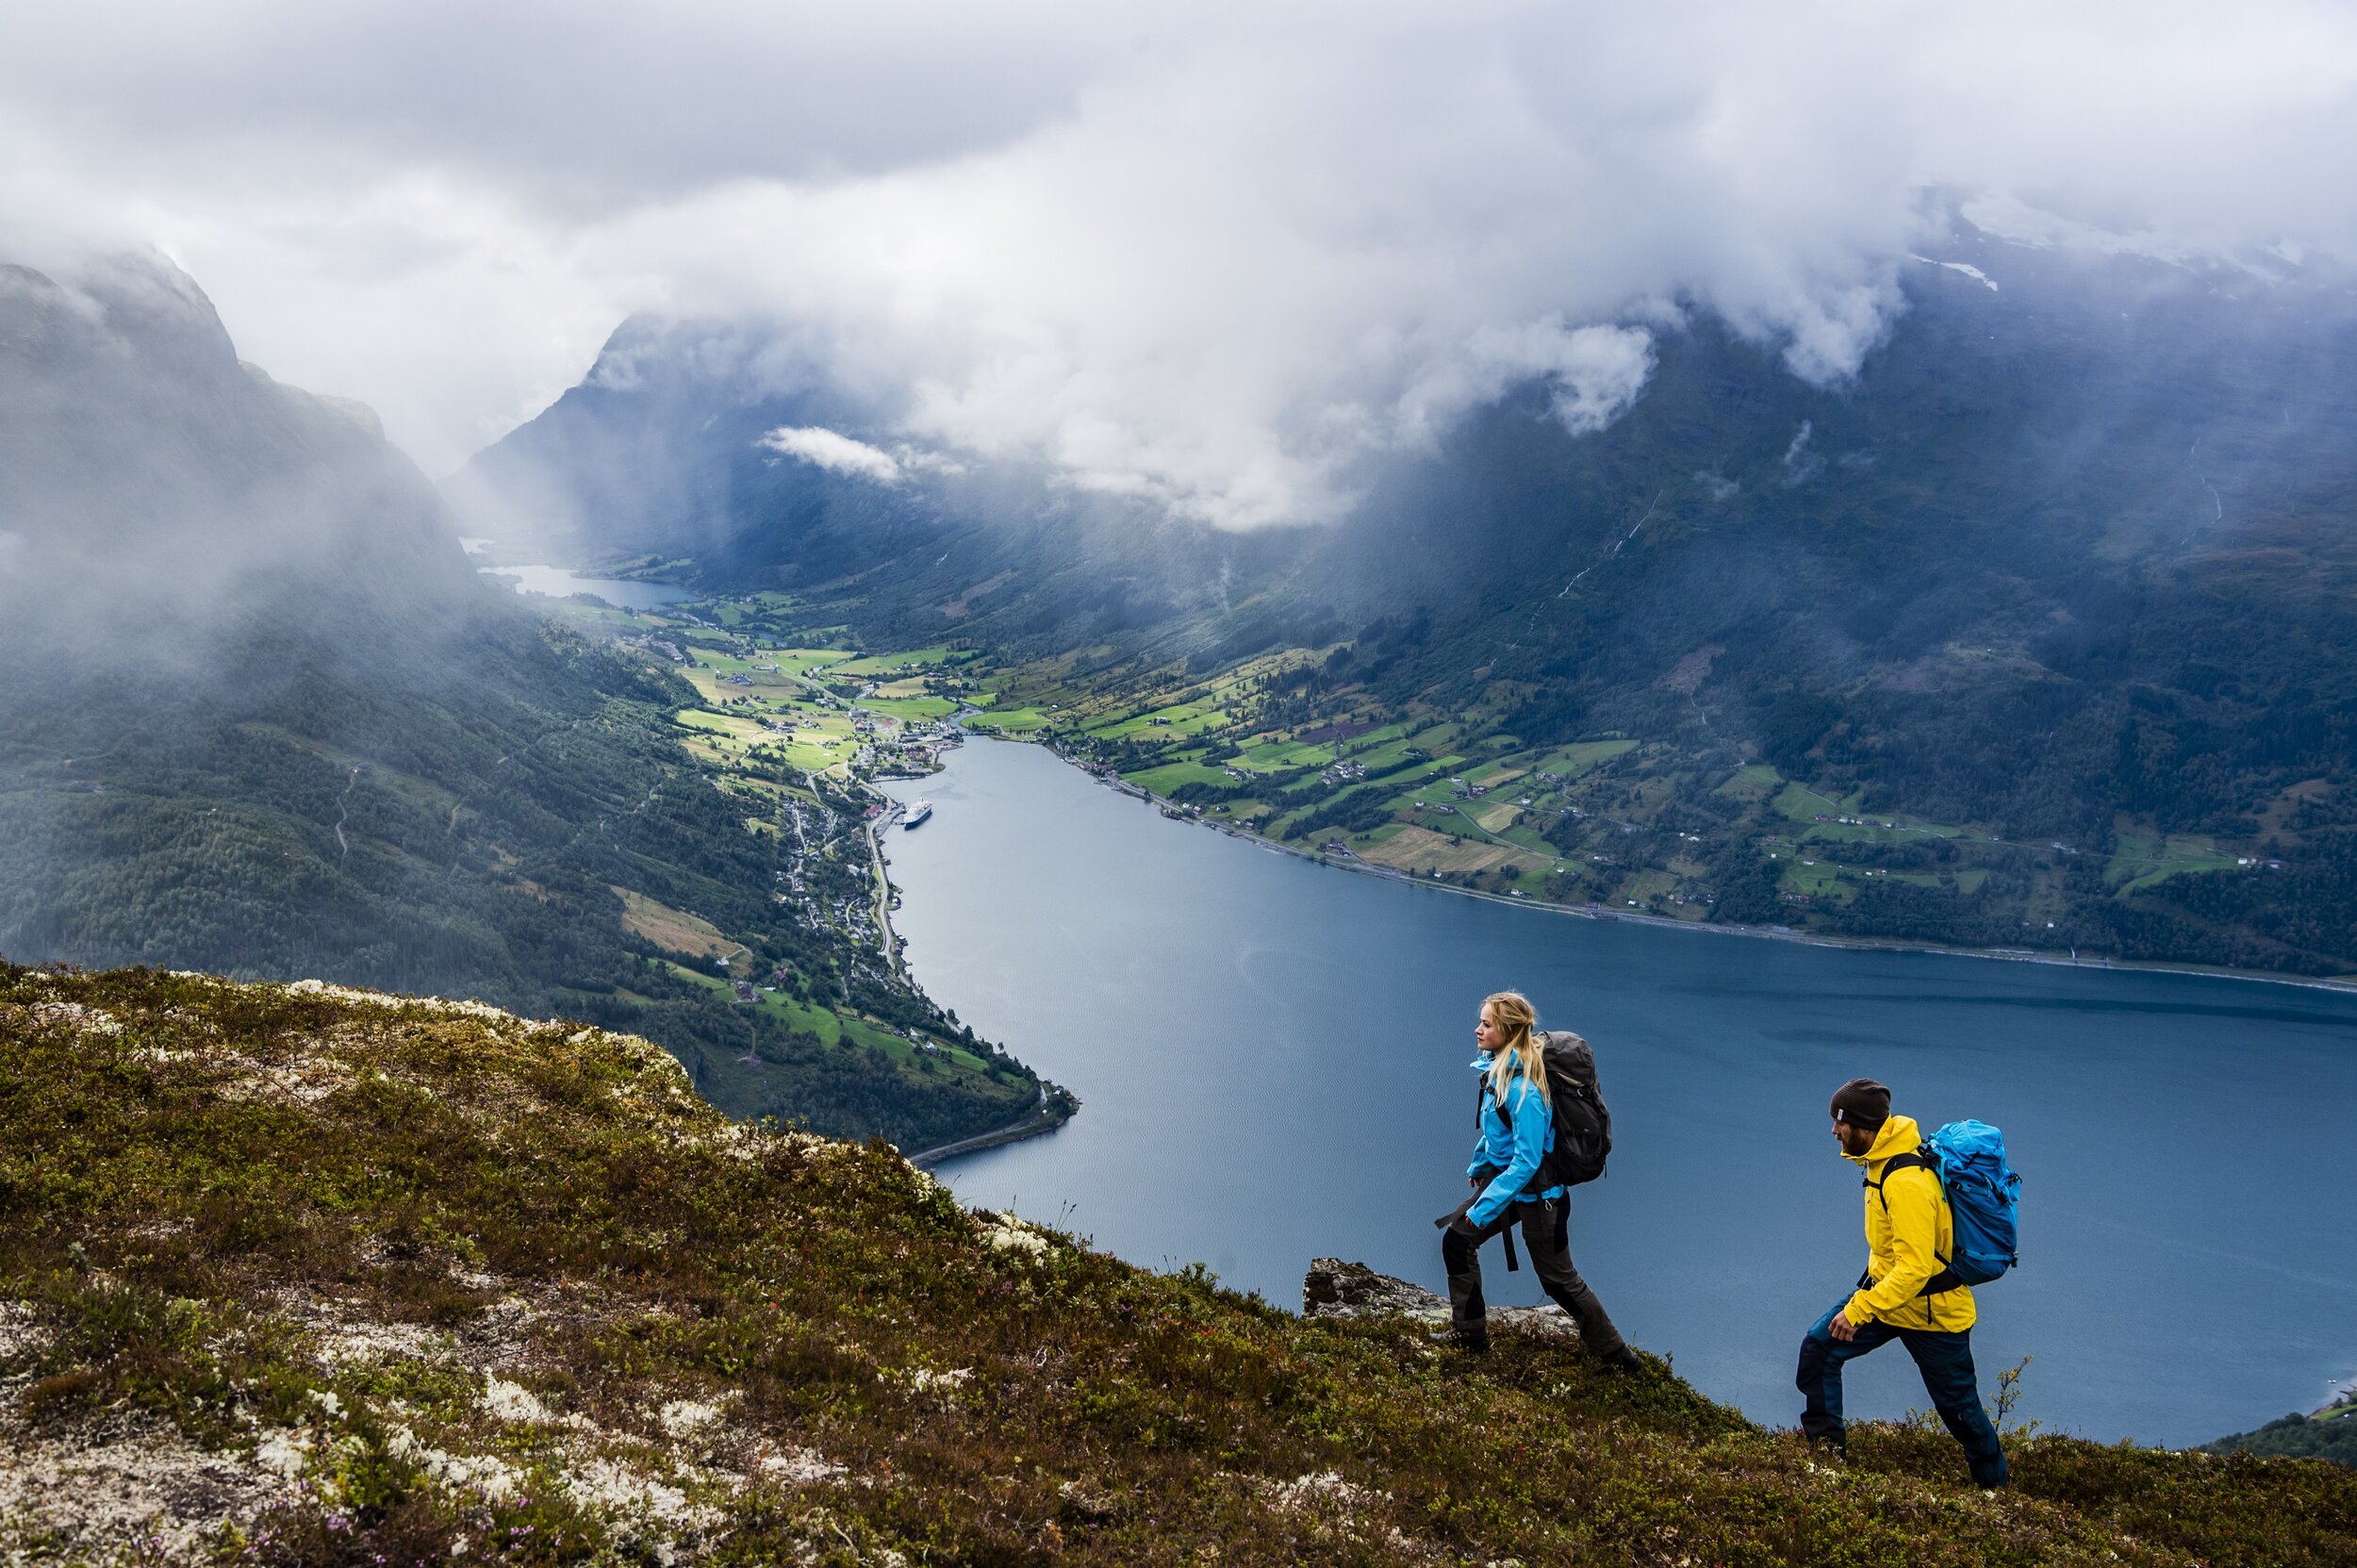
(1463, 1224)
(1842, 1328)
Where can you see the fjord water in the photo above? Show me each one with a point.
(560, 583)
(1271, 1060)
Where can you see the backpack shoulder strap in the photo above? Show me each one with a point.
(1505, 1104)
(1484, 1096)
(1913, 1159)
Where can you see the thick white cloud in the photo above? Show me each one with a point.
(1212, 255)
(834, 453)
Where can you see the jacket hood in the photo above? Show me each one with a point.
(1897, 1135)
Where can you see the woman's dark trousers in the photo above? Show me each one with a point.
(1545, 1224)
(1944, 1359)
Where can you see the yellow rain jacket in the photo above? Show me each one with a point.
(1911, 1235)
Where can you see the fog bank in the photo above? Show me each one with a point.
(1215, 258)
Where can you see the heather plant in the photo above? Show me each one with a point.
(386, 1280)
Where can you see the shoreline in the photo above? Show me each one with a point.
(1770, 934)
(1046, 1115)
(1043, 1118)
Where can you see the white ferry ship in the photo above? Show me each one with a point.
(918, 811)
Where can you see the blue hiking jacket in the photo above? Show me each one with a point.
(1514, 1151)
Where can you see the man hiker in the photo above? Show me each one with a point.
(1902, 1295)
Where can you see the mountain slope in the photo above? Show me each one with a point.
(258, 714)
(300, 1276)
(2328, 1434)
(2062, 586)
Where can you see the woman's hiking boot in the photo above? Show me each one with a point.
(1623, 1360)
(1477, 1341)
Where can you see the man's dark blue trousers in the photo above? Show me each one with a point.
(1944, 1359)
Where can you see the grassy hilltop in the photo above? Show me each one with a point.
(290, 1274)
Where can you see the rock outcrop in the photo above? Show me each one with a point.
(1333, 1288)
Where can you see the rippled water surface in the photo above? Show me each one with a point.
(1271, 1060)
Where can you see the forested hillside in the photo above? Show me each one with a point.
(2328, 1434)
(2039, 632)
(258, 716)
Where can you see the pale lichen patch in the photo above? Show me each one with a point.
(1319, 1491)
(89, 1020)
(84, 1497)
(798, 1466)
(624, 1493)
(483, 1476)
(284, 1454)
(306, 1081)
(1006, 1233)
(686, 1418)
(21, 1335)
(513, 1401)
(64, 1014)
(379, 998)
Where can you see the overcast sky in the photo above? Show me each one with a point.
(1210, 253)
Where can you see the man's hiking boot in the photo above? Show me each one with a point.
(1454, 1338)
(1623, 1360)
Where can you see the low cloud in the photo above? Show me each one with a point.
(1215, 256)
(836, 454)
(1593, 373)
(157, 494)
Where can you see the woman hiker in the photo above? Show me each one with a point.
(1516, 1130)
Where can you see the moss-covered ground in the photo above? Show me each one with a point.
(331, 1278)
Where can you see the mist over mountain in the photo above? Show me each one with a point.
(190, 550)
(154, 487)
(2068, 557)
(226, 596)
(680, 445)
(2085, 412)
(1218, 256)
(259, 716)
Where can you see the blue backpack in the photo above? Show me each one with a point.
(1984, 1197)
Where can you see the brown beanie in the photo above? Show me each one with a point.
(1862, 1103)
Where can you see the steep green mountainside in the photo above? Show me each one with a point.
(293, 1275)
(2072, 562)
(2052, 604)
(258, 714)
(2330, 1434)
